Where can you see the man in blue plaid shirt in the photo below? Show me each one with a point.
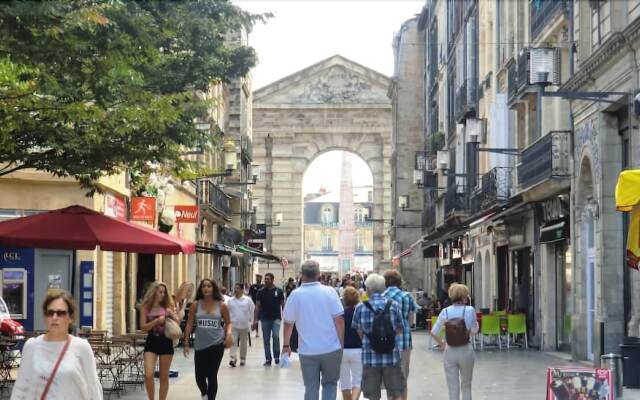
(379, 367)
(408, 308)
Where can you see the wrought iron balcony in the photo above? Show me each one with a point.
(493, 190)
(546, 158)
(543, 12)
(455, 200)
(215, 199)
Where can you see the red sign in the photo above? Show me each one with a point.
(143, 209)
(186, 214)
(114, 206)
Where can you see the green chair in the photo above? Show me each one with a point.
(517, 325)
(490, 326)
(502, 313)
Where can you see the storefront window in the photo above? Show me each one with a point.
(14, 291)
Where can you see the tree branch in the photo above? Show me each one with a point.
(4, 171)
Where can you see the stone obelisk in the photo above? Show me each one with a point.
(346, 235)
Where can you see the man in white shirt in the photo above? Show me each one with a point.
(318, 316)
(241, 313)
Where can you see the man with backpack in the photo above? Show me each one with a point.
(379, 323)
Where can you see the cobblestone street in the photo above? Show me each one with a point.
(513, 374)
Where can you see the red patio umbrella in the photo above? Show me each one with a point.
(80, 228)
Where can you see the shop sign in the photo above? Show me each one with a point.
(579, 383)
(256, 245)
(143, 209)
(260, 231)
(186, 214)
(115, 206)
(553, 209)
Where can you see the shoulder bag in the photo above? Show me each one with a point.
(172, 329)
(55, 368)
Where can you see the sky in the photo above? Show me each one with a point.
(304, 32)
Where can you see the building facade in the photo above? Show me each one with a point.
(521, 159)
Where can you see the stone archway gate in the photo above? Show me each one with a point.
(335, 104)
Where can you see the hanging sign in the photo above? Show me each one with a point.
(578, 383)
(186, 214)
(143, 209)
(114, 206)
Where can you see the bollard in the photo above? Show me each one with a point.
(613, 362)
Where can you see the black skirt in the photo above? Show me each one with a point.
(158, 344)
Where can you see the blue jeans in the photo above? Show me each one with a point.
(271, 329)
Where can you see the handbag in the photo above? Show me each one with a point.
(172, 329)
(55, 368)
(456, 330)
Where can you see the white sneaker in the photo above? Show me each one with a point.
(205, 397)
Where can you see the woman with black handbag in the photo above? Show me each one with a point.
(63, 361)
(157, 307)
(459, 322)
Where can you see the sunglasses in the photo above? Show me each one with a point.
(59, 313)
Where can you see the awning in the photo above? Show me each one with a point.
(628, 190)
(480, 220)
(511, 211)
(77, 227)
(407, 251)
(257, 253)
(217, 248)
(554, 232)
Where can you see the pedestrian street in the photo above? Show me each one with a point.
(507, 374)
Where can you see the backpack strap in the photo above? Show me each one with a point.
(387, 306)
(369, 306)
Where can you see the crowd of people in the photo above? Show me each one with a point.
(354, 332)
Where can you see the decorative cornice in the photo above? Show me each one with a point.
(603, 55)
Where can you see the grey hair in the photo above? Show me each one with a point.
(310, 269)
(375, 284)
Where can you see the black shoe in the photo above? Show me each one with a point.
(242, 363)
(277, 361)
(232, 364)
(267, 363)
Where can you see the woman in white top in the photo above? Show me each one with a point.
(75, 377)
(183, 296)
(458, 360)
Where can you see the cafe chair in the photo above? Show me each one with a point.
(517, 325)
(433, 323)
(490, 326)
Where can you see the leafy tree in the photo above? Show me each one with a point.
(90, 87)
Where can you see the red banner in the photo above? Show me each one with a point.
(143, 209)
(186, 214)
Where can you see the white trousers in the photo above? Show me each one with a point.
(351, 369)
(458, 368)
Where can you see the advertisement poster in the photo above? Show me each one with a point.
(571, 383)
(115, 206)
(143, 209)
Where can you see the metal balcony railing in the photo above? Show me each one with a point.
(546, 158)
(216, 199)
(493, 190)
(455, 200)
(543, 12)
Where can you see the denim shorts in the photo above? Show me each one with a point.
(392, 376)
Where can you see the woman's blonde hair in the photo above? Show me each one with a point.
(150, 295)
(458, 292)
(183, 290)
(350, 296)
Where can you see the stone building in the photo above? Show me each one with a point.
(407, 98)
(335, 104)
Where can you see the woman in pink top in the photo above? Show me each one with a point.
(156, 307)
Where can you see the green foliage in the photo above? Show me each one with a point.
(90, 87)
(436, 142)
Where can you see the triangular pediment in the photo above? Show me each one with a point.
(333, 81)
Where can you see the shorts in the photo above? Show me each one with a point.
(351, 369)
(373, 377)
(405, 362)
(158, 344)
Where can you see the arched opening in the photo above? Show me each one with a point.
(337, 202)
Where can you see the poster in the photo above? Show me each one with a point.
(55, 281)
(186, 214)
(143, 209)
(573, 383)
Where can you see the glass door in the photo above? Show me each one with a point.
(590, 266)
(564, 306)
